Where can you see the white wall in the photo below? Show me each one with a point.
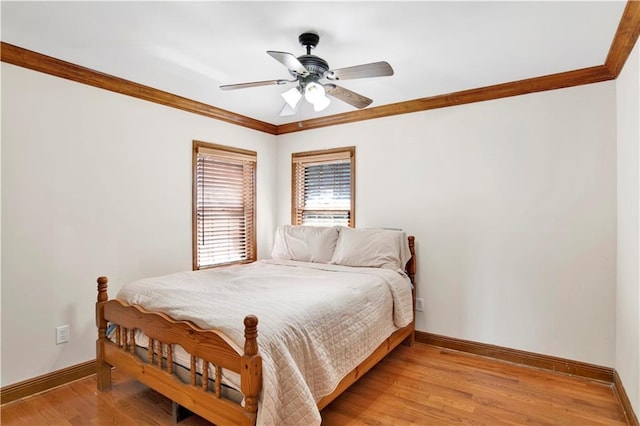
(513, 205)
(94, 183)
(628, 260)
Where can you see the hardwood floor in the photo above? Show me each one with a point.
(428, 385)
(423, 385)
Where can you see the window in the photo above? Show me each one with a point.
(323, 187)
(224, 187)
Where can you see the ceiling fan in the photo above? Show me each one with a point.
(308, 71)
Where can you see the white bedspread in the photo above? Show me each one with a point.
(317, 322)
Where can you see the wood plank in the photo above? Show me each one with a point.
(379, 353)
(454, 387)
(204, 403)
(210, 345)
(623, 398)
(135, 406)
(531, 359)
(421, 384)
(46, 381)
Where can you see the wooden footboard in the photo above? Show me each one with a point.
(206, 347)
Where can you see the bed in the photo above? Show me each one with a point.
(330, 304)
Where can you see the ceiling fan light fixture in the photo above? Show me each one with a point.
(321, 103)
(313, 92)
(308, 70)
(287, 111)
(292, 97)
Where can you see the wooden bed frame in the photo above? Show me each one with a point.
(205, 347)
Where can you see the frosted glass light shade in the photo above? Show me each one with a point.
(287, 111)
(313, 92)
(292, 97)
(321, 103)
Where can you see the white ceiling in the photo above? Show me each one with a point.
(191, 48)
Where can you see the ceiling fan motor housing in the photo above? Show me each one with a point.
(316, 66)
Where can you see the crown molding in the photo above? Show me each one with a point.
(623, 42)
(549, 82)
(46, 64)
(625, 38)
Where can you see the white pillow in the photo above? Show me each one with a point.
(305, 243)
(377, 248)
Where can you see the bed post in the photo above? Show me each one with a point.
(103, 370)
(410, 268)
(251, 377)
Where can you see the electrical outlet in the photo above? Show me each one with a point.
(62, 334)
(419, 304)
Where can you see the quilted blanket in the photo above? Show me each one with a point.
(317, 322)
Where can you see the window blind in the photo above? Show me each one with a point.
(224, 205)
(323, 188)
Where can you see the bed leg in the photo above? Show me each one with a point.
(179, 413)
(103, 373)
(410, 340)
(103, 370)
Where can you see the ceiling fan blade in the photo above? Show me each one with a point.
(374, 69)
(346, 95)
(254, 84)
(289, 61)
